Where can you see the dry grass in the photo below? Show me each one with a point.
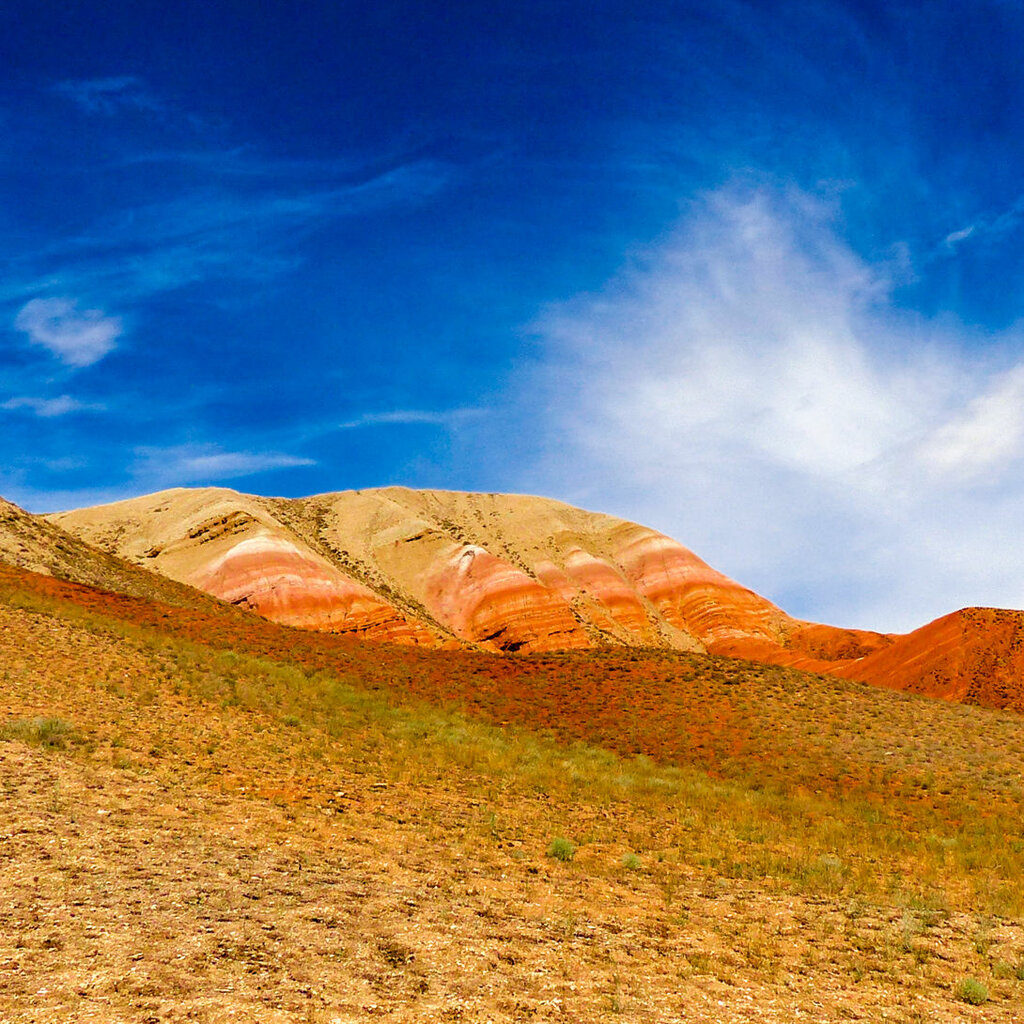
(304, 836)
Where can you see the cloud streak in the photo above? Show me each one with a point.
(109, 96)
(248, 219)
(1001, 224)
(203, 463)
(152, 468)
(48, 408)
(749, 388)
(410, 417)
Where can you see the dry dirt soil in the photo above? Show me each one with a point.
(191, 831)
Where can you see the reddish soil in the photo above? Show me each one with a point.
(734, 718)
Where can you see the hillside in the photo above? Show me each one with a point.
(209, 816)
(516, 573)
(38, 545)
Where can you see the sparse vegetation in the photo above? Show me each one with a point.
(561, 849)
(809, 847)
(52, 733)
(970, 990)
(776, 807)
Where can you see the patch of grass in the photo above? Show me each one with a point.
(49, 733)
(561, 849)
(970, 990)
(631, 862)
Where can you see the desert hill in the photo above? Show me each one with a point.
(33, 543)
(349, 829)
(509, 572)
(519, 573)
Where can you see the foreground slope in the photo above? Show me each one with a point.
(336, 844)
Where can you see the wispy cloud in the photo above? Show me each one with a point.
(190, 463)
(954, 238)
(228, 225)
(152, 468)
(747, 386)
(402, 417)
(48, 408)
(108, 96)
(999, 224)
(78, 337)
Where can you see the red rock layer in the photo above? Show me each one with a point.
(610, 589)
(486, 600)
(694, 597)
(601, 596)
(275, 578)
(832, 643)
(807, 645)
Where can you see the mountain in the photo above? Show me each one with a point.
(516, 573)
(313, 788)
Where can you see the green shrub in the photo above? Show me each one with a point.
(971, 991)
(631, 862)
(561, 849)
(51, 733)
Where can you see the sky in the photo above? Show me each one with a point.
(751, 273)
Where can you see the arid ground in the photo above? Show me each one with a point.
(211, 817)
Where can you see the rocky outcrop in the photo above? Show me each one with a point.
(483, 598)
(273, 576)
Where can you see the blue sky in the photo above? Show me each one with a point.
(748, 272)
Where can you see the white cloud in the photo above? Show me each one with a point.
(747, 386)
(78, 337)
(987, 434)
(181, 464)
(405, 417)
(48, 408)
(955, 237)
